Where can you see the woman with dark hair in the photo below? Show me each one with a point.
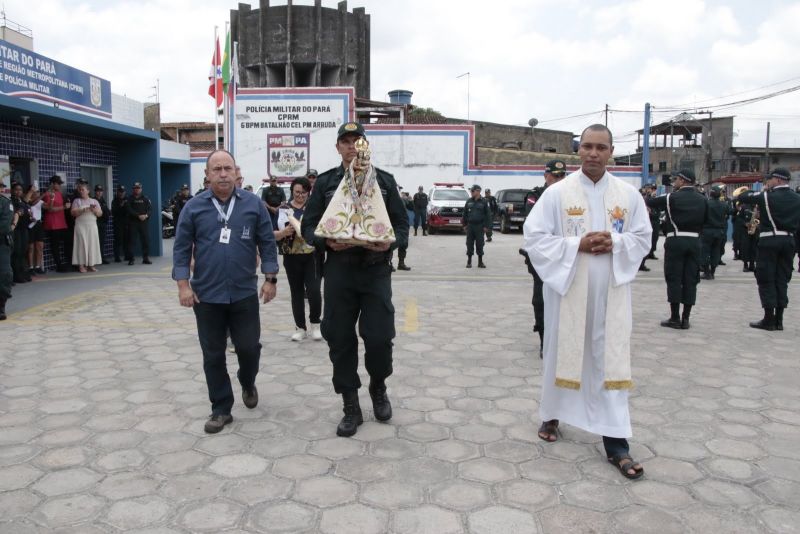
(19, 254)
(299, 262)
(35, 232)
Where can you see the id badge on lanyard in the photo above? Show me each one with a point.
(225, 232)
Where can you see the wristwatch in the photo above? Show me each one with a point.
(271, 279)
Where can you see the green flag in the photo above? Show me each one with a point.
(226, 61)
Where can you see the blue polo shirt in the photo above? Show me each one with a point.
(224, 273)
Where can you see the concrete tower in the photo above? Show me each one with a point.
(302, 46)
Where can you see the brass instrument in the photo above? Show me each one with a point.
(738, 191)
(752, 225)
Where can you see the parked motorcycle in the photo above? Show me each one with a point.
(167, 221)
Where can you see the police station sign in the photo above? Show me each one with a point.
(31, 76)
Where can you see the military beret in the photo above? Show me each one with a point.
(685, 175)
(555, 166)
(351, 128)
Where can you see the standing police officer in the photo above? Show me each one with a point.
(714, 231)
(492, 201)
(779, 209)
(358, 289)
(420, 211)
(119, 219)
(6, 274)
(477, 220)
(102, 221)
(686, 214)
(138, 212)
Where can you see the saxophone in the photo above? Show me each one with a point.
(752, 226)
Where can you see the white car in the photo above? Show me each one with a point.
(446, 206)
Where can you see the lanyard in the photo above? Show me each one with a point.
(225, 216)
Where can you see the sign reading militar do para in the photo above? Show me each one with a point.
(31, 76)
(275, 130)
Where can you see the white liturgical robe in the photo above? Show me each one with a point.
(554, 255)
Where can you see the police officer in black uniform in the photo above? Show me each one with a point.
(181, 199)
(554, 171)
(119, 219)
(648, 191)
(714, 230)
(358, 290)
(686, 214)
(779, 209)
(7, 217)
(492, 201)
(139, 209)
(476, 220)
(102, 221)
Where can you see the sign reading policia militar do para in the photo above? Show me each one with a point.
(31, 76)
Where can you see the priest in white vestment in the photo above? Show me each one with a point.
(586, 237)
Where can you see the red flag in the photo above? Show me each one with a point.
(215, 77)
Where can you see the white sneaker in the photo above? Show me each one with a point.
(316, 333)
(299, 334)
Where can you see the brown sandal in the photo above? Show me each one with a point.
(624, 462)
(549, 431)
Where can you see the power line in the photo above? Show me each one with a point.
(694, 104)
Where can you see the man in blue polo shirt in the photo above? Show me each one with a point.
(225, 228)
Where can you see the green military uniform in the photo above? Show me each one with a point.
(6, 274)
(686, 214)
(358, 283)
(477, 219)
(779, 210)
(713, 235)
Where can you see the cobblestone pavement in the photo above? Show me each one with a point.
(103, 400)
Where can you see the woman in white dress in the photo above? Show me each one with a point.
(86, 247)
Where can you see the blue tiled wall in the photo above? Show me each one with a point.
(49, 148)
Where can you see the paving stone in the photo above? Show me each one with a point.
(502, 519)
(64, 436)
(571, 519)
(461, 495)
(364, 469)
(370, 431)
(122, 459)
(221, 445)
(355, 518)
(18, 503)
(734, 448)
(325, 491)
(477, 433)
(672, 471)
(177, 462)
(278, 447)
(780, 520)
(66, 481)
(126, 485)
(453, 450)
(527, 494)
(781, 468)
(424, 471)
(137, 513)
(644, 520)
(548, 470)
(721, 493)
(301, 466)
(258, 489)
(738, 470)
(211, 516)
(64, 511)
(193, 486)
(487, 470)
(780, 491)
(336, 448)
(652, 493)
(424, 432)
(707, 519)
(118, 439)
(396, 449)
(239, 465)
(63, 457)
(282, 517)
(392, 494)
(595, 496)
(426, 519)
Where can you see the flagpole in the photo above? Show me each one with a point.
(216, 96)
(225, 110)
(235, 89)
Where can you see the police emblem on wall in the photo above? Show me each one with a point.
(96, 91)
(288, 155)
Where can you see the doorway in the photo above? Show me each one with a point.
(97, 175)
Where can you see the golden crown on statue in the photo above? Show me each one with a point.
(575, 210)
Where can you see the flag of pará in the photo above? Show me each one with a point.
(226, 62)
(215, 77)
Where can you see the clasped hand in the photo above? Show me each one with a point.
(596, 243)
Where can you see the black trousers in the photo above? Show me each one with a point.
(19, 255)
(713, 240)
(58, 244)
(682, 268)
(654, 239)
(120, 240)
(356, 293)
(615, 446)
(6, 274)
(102, 231)
(420, 219)
(138, 229)
(301, 270)
(214, 321)
(538, 303)
(474, 239)
(774, 270)
(749, 247)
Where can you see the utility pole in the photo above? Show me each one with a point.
(461, 76)
(646, 145)
(766, 152)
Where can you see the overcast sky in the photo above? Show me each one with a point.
(547, 59)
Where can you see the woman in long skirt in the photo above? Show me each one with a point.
(86, 247)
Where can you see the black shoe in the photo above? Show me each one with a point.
(348, 426)
(672, 323)
(685, 324)
(217, 422)
(250, 396)
(779, 325)
(392, 266)
(415, 231)
(147, 261)
(736, 257)
(117, 260)
(130, 262)
(764, 324)
(644, 268)
(488, 239)
(40, 271)
(651, 256)
(722, 263)
(706, 276)
(481, 265)
(469, 263)
(403, 267)
(381, 406)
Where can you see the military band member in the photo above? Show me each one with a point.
(477, 220)
(358, 289)
(779, 217)
(649, 190)
(714, 230)
(686, 214)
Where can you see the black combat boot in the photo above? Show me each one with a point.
(401, 263)
(469, 262)
(779, 318)
(415, 231)
(480, 262)
(381, 406)
(424, 231)
(674, 320)
(352, 415)
(687, 310)
(2, 309)
(706, 273)
(768, 322)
